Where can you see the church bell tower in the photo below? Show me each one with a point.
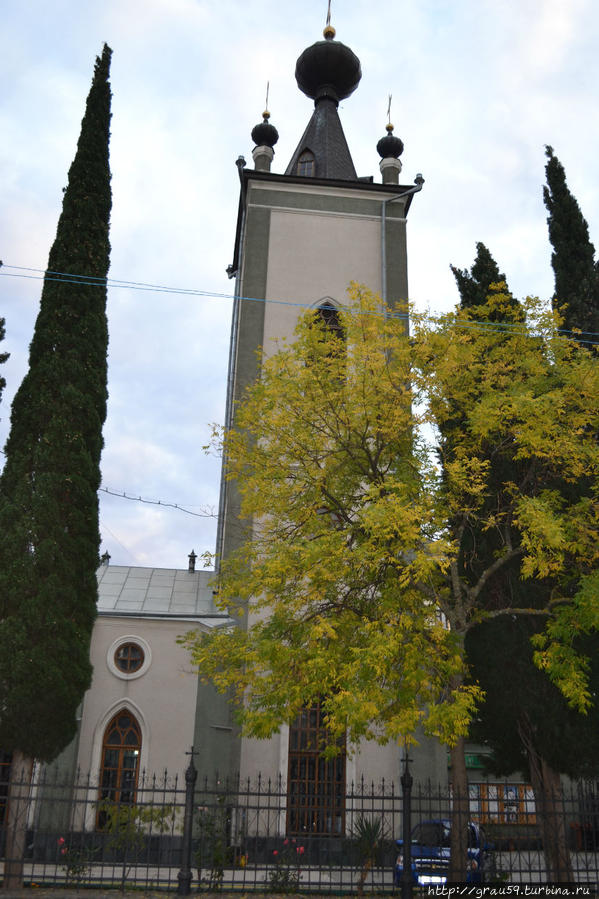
(302, 236)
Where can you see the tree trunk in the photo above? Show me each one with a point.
(19, 791)
(550, 808)
(458, 863)
(549, 801)
(363, 875)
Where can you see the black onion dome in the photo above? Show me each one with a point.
(328, 69)
(265, 134)
(389, 145)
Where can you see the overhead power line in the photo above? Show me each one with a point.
(158, 502)
(205, 513)
(87, 281)
(586, 337)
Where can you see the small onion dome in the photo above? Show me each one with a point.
(265, 134)
(328, 69)
(390, 146)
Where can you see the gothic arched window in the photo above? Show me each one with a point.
(330, 317)
(306, 164)
(328, 322)
(119, 771)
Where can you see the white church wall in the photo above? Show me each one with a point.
(162, 695)
(305, 264)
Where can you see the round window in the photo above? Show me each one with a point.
(129, 657)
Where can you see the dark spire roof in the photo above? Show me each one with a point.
(328, 71)
(324, 138)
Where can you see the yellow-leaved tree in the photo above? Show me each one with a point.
(366, 461)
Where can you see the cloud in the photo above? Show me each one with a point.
(478, 89)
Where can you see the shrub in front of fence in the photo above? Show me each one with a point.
(286, 875)
(76, 861)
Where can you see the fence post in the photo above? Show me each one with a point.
(406, 792)
(185, 876)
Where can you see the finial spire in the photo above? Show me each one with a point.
(389, 125)
(329, 32)
(390, 149)
(265, 137)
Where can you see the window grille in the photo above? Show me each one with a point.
(316, 785)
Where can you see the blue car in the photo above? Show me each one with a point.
(431, 849)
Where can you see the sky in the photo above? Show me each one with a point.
(479, 88)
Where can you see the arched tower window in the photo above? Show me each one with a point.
(119, 770)
(328, 321)
(306, 164)
(330, 317)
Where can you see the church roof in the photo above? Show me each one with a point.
(156, 593)
(324, 138)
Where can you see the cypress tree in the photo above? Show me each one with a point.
(475, 286)
(524, 720)
(479, 546)
(3, 356)
(573, 257)
(483, 280)
(49, 534)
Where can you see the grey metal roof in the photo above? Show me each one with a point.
(155, 592)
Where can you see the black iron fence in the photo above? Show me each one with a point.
(186, 834)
